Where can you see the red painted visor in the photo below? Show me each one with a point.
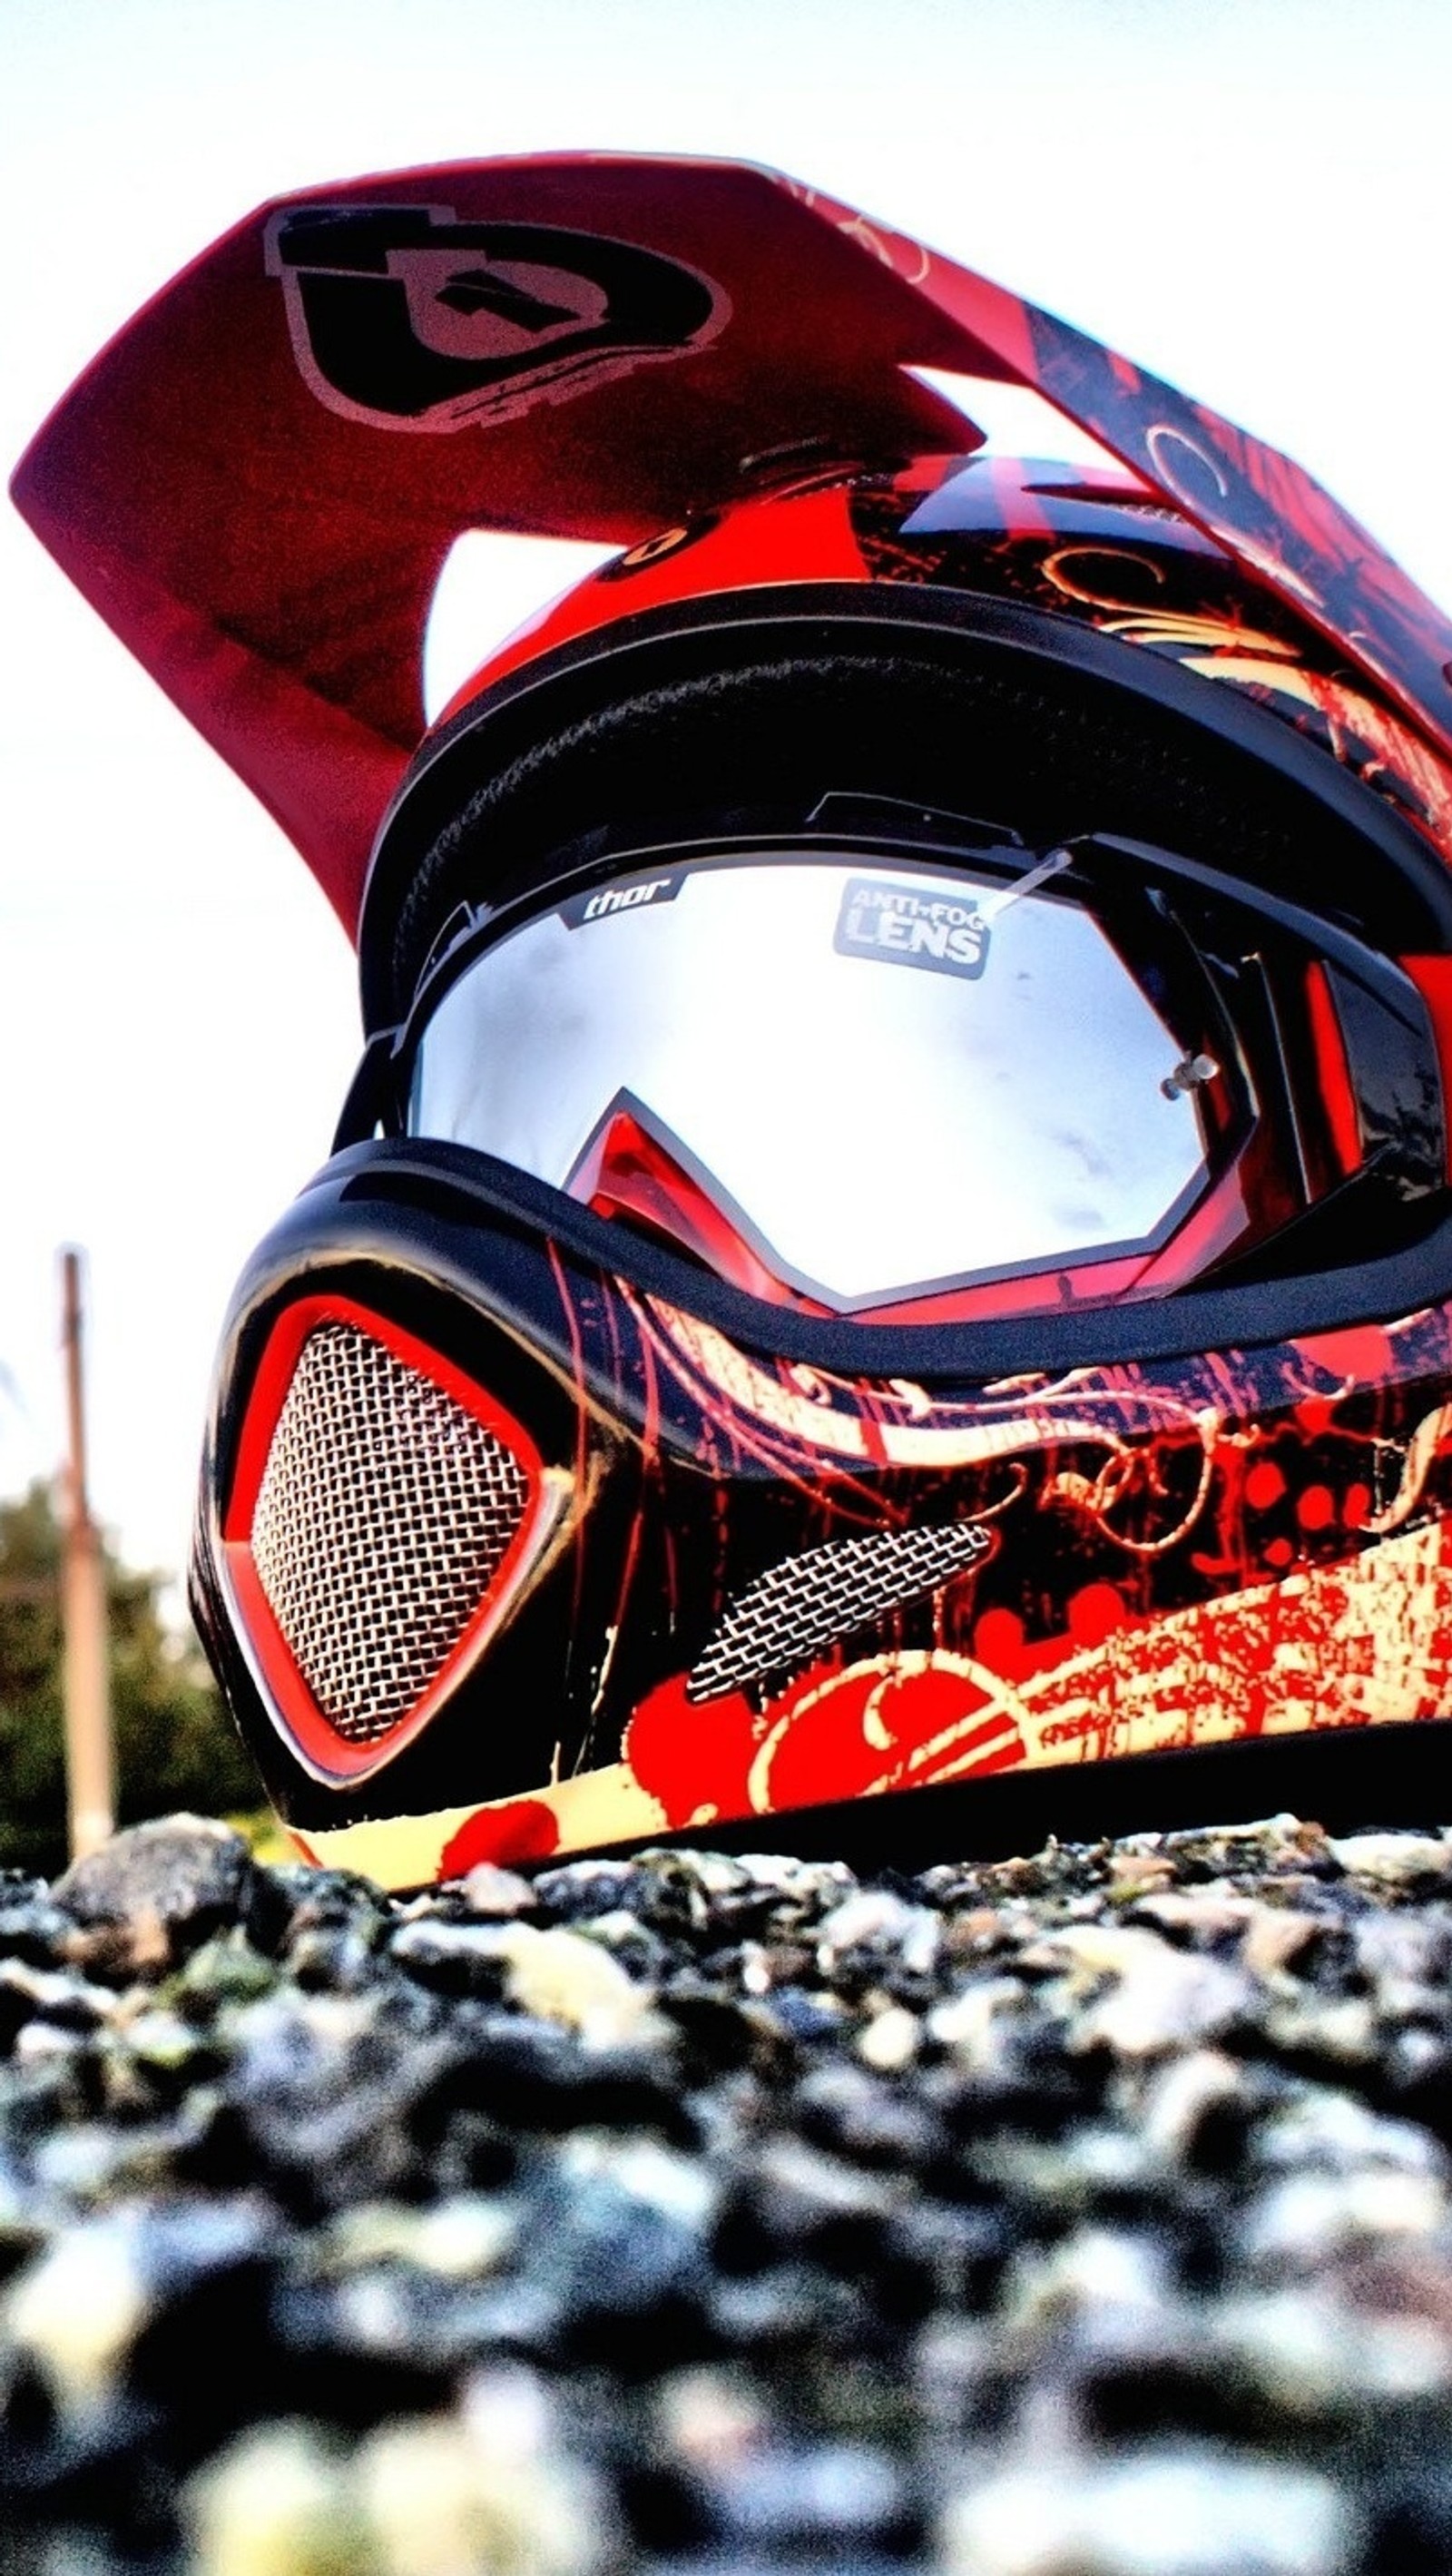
(258, 482)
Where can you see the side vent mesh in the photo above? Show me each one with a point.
(808, 1601)
(384, 1513)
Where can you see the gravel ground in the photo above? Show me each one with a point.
(1082, 2215)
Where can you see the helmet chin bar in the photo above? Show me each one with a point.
(771, 1586)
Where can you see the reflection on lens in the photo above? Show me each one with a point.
(895, 1078)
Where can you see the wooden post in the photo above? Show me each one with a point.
(89, 1762)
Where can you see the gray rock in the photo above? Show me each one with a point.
(498, 1893)
(1104, 2192)
(1173, 2511)
(156, 1892)
(1137, 1995)
(1396, 1861)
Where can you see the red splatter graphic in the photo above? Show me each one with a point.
(998, 1640)
(1095, 1611)
(525, 1829)
(1346, 1645)
(1316, 1414)
(692, 1757)
(893, 1722)
(1362, 1355)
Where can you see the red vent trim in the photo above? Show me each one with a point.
(384, 1513)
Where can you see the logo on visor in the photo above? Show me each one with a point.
(907, 926)
(607, 901)
(404, 318)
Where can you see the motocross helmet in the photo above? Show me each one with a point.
(889, 1257)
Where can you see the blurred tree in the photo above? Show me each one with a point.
(175, 1744)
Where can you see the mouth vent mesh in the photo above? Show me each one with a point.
(384, 1513)
(780, 1620)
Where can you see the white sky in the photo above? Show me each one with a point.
(1247, 195)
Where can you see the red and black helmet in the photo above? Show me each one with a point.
(892, 1234)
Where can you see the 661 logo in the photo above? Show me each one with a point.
(404, 318)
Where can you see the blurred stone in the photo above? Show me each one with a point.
(498, 1893)
(1312, 2220)
(462, 2238)
(1186, 2095)
(875, 1920)
(1164, 2512)
(446, 2497)
(642, 1953)
(890, 2040)
(717, 2215)
(158, 1891)
(1396, 1860)
(585, 1887)
(713, 2419)
(1157, 1998)
(279, 2501)
(78, 2308)
(33, 1927)
(799, 2497)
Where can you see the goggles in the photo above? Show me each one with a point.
(907, 1086)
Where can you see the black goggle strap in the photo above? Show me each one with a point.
(373, 1098)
